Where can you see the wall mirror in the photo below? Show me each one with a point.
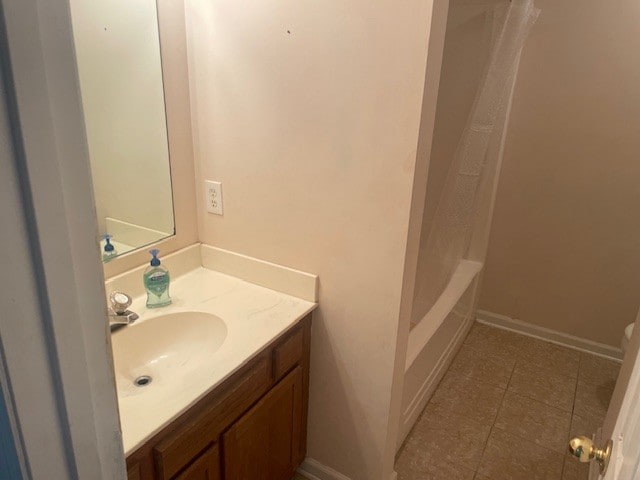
(120, 71)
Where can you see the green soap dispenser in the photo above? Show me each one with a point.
(109, 250)
(156, 282)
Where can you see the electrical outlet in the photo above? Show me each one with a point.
(213, 197)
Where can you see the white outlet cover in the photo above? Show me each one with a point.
(213, 197)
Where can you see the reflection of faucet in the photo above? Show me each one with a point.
(118, 313)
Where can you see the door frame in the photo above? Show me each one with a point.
(622, 422)
(55, 357)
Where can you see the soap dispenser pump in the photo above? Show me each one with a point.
(109, 250)
(156, 282)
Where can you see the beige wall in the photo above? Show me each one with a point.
(309, 113)
(118, 55)
(564, 251)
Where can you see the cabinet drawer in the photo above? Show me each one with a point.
(288, 353)
(182, 446)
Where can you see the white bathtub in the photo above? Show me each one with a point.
(434, 341)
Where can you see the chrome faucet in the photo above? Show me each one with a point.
(118, 311)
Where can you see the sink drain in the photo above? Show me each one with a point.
(142, 381)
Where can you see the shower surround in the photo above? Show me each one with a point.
(465, 163)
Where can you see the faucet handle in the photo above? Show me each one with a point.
(119, 302)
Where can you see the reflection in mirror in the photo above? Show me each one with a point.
(119, 65)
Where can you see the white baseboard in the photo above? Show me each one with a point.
(549, 335)
(314, 470)
(419, 402)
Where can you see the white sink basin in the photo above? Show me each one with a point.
(155, 351)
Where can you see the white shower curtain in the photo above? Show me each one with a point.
(477, 157)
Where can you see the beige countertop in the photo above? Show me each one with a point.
(253, 315)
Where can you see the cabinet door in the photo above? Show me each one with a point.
(265, 443)
(205, 467)
(133, 472)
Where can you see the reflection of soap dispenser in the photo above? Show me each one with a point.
(109, 250)
(156, 282)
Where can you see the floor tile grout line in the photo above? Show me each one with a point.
(484, 449)
(575, 390)
(463, 416)
(544, 370)
(513, 369)
(523, 437)
(519, 357)
(573, 409)
(546, 404)
(513, 434)
(493, 425)
(486, 442)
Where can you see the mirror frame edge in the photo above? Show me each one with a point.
(175, 76)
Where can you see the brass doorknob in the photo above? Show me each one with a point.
(584, 449)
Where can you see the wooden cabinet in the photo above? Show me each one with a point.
(264, 442)
(133, 472)
(251, 427)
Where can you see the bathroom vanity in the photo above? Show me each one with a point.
(215, 385)
(252, 426)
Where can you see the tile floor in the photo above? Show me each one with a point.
(506, 409)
